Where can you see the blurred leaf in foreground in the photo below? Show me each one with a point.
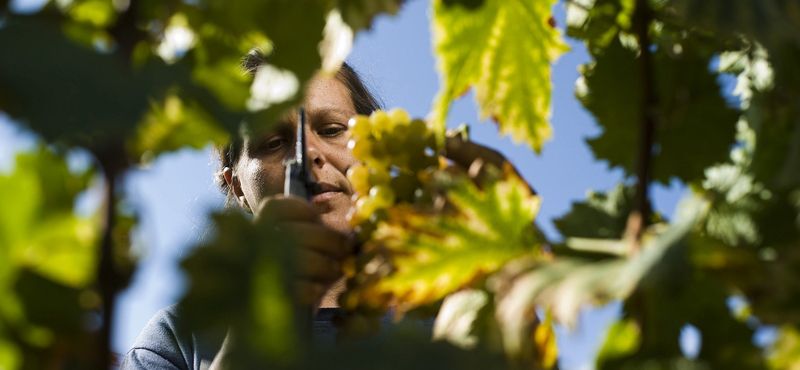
(785, 352)
(80, 97)
(503, 49)
(239, 283)
(47, 259)
(566, 284)
(173, 125)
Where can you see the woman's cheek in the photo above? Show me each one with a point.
(264, 180)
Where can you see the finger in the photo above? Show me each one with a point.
(464, 153)
(282, 208)
(318, 267)
(319, 238)
(475, 157)
(308, 292)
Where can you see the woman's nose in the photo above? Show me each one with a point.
(315, 155)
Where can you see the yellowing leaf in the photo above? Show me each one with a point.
(785, 352)
(457, 316)
(435, 255)
(37, 227)
(503, 49)
(544, 337)
(623, 339)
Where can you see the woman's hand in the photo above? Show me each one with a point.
(320, 249)
(474, 157)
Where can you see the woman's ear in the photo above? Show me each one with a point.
(236, 187)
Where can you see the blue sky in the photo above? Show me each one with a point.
(175, 194)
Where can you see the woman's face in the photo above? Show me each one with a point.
(260, 171)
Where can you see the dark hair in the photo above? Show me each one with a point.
(229, 154)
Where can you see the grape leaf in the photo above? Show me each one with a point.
(665, 305)
(82, 97)
(173, 125)
(457, 316)
(358, 14)
(602, 215)
(785, 352)
(768, 21)
(623, 339)
(566, 284)
(435, 255)
(37, 226)
(749, 240)
(503, 49)
(770, 58)
(469, 4)
(240, 280)
(47, 258)
(694, 129)
(598, 22)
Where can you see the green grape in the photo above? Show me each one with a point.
(360, 126)
(365, 229)
(422, 196)
(399, 116)
(380, 155)
(383, 195)
(379, 176)
(394, 144)
(428, 162)
(417, 128)
(430, 142)
(415, 147)
(417, 163)
(401, 160)
(358, 175)
(379, 216)
(400, 132)
(404, 187)
(365, 206)
(380, 120)
(361, 149)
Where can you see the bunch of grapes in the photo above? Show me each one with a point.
(397, 154)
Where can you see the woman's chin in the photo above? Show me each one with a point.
(333, 213)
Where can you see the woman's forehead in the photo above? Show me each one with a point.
(326, 93)
(326, 98)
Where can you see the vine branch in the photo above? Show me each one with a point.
(637, 220)
(109, 278)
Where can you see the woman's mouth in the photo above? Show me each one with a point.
(325, 193)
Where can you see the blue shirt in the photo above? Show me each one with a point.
(167, 344)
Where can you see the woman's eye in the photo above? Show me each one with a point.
(332, 130)
(274, 144)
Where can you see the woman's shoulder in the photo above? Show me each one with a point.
(167, 343)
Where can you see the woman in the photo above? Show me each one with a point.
(252, 174)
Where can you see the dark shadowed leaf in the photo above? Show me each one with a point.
(360, 13)
(240, 280)
(81, 97)
(694, 127)
(602, 215)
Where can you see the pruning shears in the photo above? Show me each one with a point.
(298, 177)
(298, 183)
